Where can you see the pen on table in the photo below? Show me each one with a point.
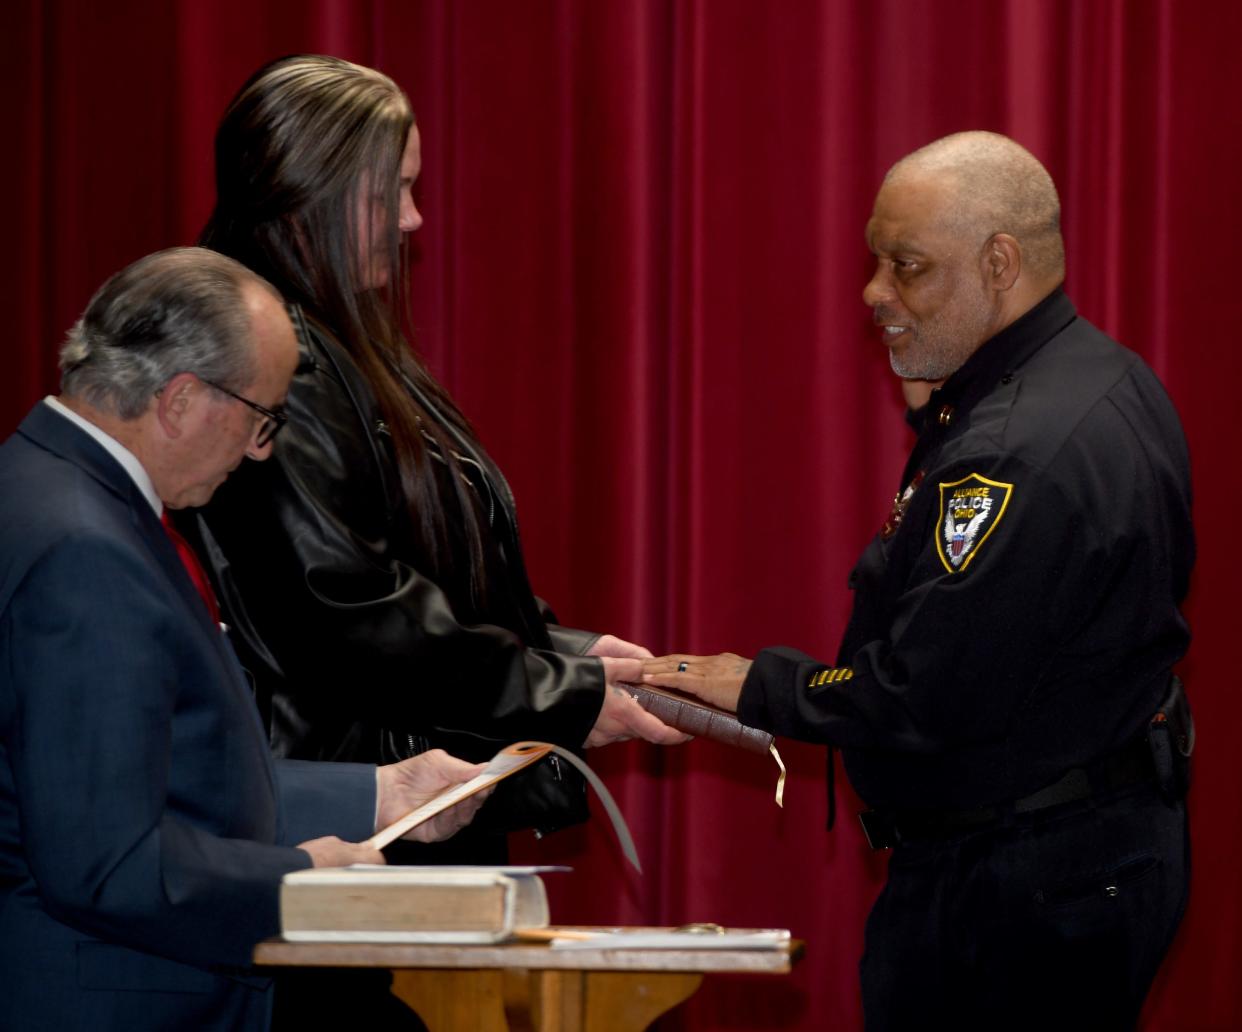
(548, 934)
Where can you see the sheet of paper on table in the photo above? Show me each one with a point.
(670, 939)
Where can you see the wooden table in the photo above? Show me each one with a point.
(520, 987)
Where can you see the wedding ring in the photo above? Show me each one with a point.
(681, 667)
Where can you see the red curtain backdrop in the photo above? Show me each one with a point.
(640, 274)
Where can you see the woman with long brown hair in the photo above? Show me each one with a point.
(386, 604)
(371, 570)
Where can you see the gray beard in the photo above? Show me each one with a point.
(939, 365)
(939, 355)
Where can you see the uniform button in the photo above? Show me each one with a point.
(946, 415)
(1111, 890)
(1007, 379)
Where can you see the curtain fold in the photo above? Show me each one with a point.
(641, 276)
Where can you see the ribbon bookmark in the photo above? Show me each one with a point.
(780, 781)
(508, 761)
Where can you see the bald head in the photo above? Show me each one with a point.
(966, 234)
(997, 186)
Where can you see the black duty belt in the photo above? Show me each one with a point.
(1131, 765)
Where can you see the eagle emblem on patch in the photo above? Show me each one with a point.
(970, 509)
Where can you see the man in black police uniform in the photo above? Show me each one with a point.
(1003, 695)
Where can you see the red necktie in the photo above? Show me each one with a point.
(193, 567)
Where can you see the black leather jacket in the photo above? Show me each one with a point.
(355, 653)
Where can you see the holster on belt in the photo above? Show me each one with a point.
(1171, 737)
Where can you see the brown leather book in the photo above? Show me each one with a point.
(695, 717)
(410, 904)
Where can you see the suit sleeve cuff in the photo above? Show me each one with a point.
(321, 799)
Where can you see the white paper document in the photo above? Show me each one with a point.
(692, 938)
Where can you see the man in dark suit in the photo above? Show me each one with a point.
(144, 828)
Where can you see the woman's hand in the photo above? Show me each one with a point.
(620, 717)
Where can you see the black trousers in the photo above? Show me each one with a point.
(1055, 920)
(340, 999)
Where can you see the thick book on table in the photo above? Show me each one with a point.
(411, 904)
(697, 718)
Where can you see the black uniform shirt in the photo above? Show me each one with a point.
(1020, 618)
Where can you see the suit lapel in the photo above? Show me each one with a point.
(53, 432)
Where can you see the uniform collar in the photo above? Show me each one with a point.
(996, 358)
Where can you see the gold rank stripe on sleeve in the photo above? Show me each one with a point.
(833, 675)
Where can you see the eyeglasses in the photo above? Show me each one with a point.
(272, 419)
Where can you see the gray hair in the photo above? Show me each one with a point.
(176, 311)
(1000, 187)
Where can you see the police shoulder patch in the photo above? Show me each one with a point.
(970, 509)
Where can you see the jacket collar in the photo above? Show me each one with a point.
(996, 358)
(54, 433)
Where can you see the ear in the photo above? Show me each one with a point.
(176, 401)
(1002, 261)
